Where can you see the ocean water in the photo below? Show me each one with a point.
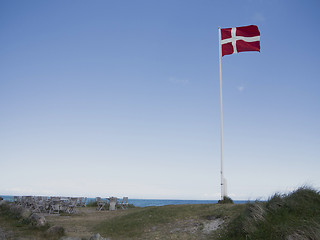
(163, 202)
(152, 202)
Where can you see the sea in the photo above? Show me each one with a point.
(152, 202)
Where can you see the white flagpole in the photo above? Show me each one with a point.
(221, 117)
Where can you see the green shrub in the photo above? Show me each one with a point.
(92, 204)
(131, 206)
(225, 200)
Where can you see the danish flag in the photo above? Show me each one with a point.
(240, 39)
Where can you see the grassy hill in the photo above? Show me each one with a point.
(170, 222)
(293, 216)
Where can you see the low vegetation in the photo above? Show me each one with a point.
(293, 216)
(16, 225)
(92, 204)
(225, 200)
(168, 222)
(290, 216)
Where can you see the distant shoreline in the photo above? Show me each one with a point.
(153, 202)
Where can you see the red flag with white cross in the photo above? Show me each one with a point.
(240, 39)
(234, 40)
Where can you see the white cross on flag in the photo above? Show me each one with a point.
(240, 39)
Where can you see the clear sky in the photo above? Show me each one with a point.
(121, 98)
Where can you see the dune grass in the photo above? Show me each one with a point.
(290, 216)
(284, 216)
(164, 219)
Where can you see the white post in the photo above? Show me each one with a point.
(221, 117)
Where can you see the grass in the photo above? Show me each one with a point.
(284, 216)
(161, 221)
(18, 227)
(290, 216)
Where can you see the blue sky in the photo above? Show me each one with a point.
(114, 98)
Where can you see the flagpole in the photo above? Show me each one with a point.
(221, 116)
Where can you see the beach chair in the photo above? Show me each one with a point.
(27, 201)
(124, 203)
(64, 203)
(72, 205)
(100, 203)
(35, 205)
(55, 207)
(45, 204)
(112, 203)
(42, 205)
